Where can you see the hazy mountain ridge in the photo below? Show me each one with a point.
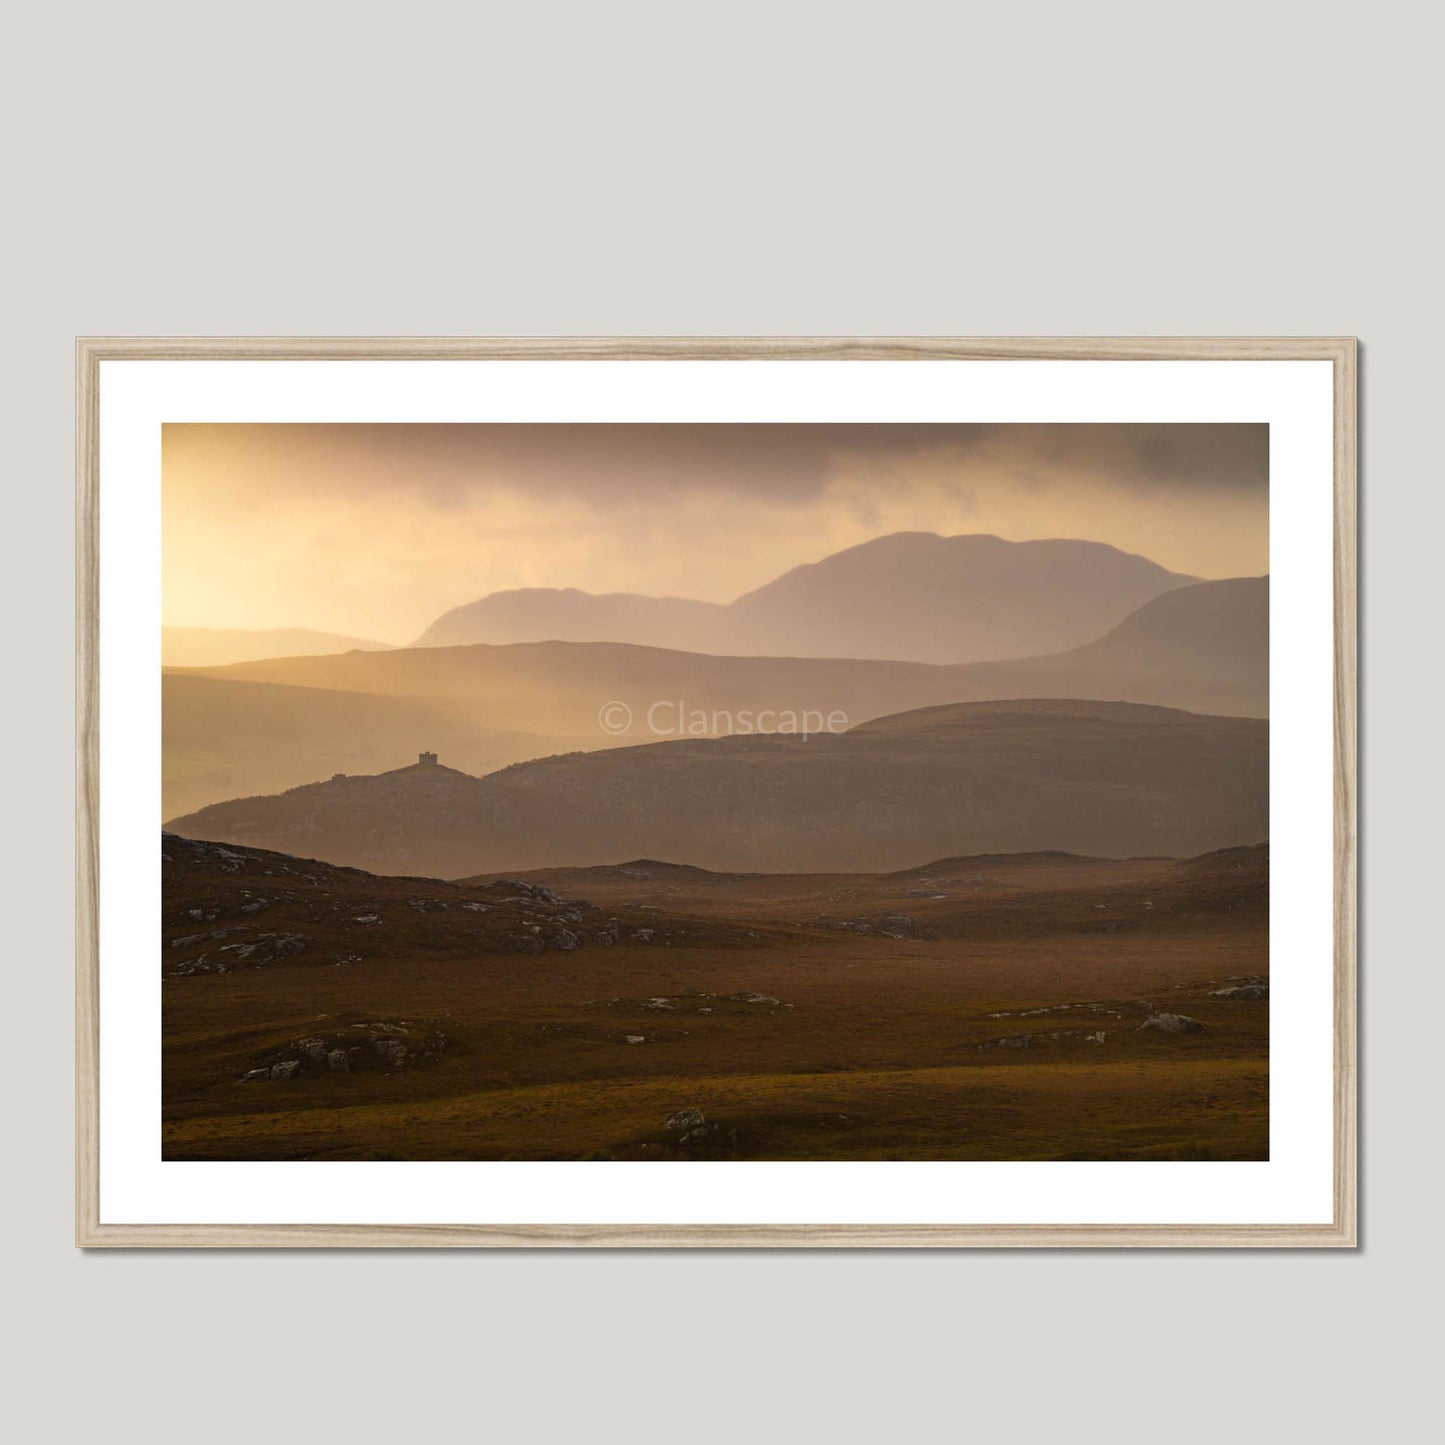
(1202, 648)
(910, 596)
(1111, 779)
(264, 726)
(218, 646)
(566, 614)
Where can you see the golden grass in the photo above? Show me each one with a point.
(1161, 1109)
(877, 1048)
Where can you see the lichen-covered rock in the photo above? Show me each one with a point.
(1167, 1023)
(392, 1050)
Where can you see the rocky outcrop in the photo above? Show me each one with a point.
(385, 1044)
(229, 909)
(252, 952)
(1167, 1023)
(1242, 990)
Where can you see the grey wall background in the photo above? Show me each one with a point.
(779, 168)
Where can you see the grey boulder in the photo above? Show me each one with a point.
(1167, 1023)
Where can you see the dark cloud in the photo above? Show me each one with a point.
(783, 463)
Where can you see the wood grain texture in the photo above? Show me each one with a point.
(716, 348)
(91, 1232)
(715, 1236)
(87, 797)
(1346, 537)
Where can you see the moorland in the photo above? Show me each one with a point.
(1038, 1006)
(1010, 902)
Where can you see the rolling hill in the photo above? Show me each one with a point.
(909, 596)
(226, 737)
(265, 726)
(1204, 648)
(228, 910)
(1108, 779)
(989, 895)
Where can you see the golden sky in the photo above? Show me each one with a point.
(374, 531)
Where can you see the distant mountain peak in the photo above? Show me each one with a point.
(904, 596)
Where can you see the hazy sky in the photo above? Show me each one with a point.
(374, 531)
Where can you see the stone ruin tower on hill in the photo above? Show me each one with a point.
(426, 760)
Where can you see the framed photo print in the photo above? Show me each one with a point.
(716, 792)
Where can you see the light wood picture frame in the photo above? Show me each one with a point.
(93, 1231)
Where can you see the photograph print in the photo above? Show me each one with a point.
(715, 792)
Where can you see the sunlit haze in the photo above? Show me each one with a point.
(375, 530)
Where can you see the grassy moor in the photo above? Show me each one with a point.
(1002, 1007)
(835, 792)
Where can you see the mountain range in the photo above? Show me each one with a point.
(909, 596)
(264, 726)
(1101, 778)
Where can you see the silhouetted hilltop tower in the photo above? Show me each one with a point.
(426, 760)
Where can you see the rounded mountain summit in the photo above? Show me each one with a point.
(909, 596)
